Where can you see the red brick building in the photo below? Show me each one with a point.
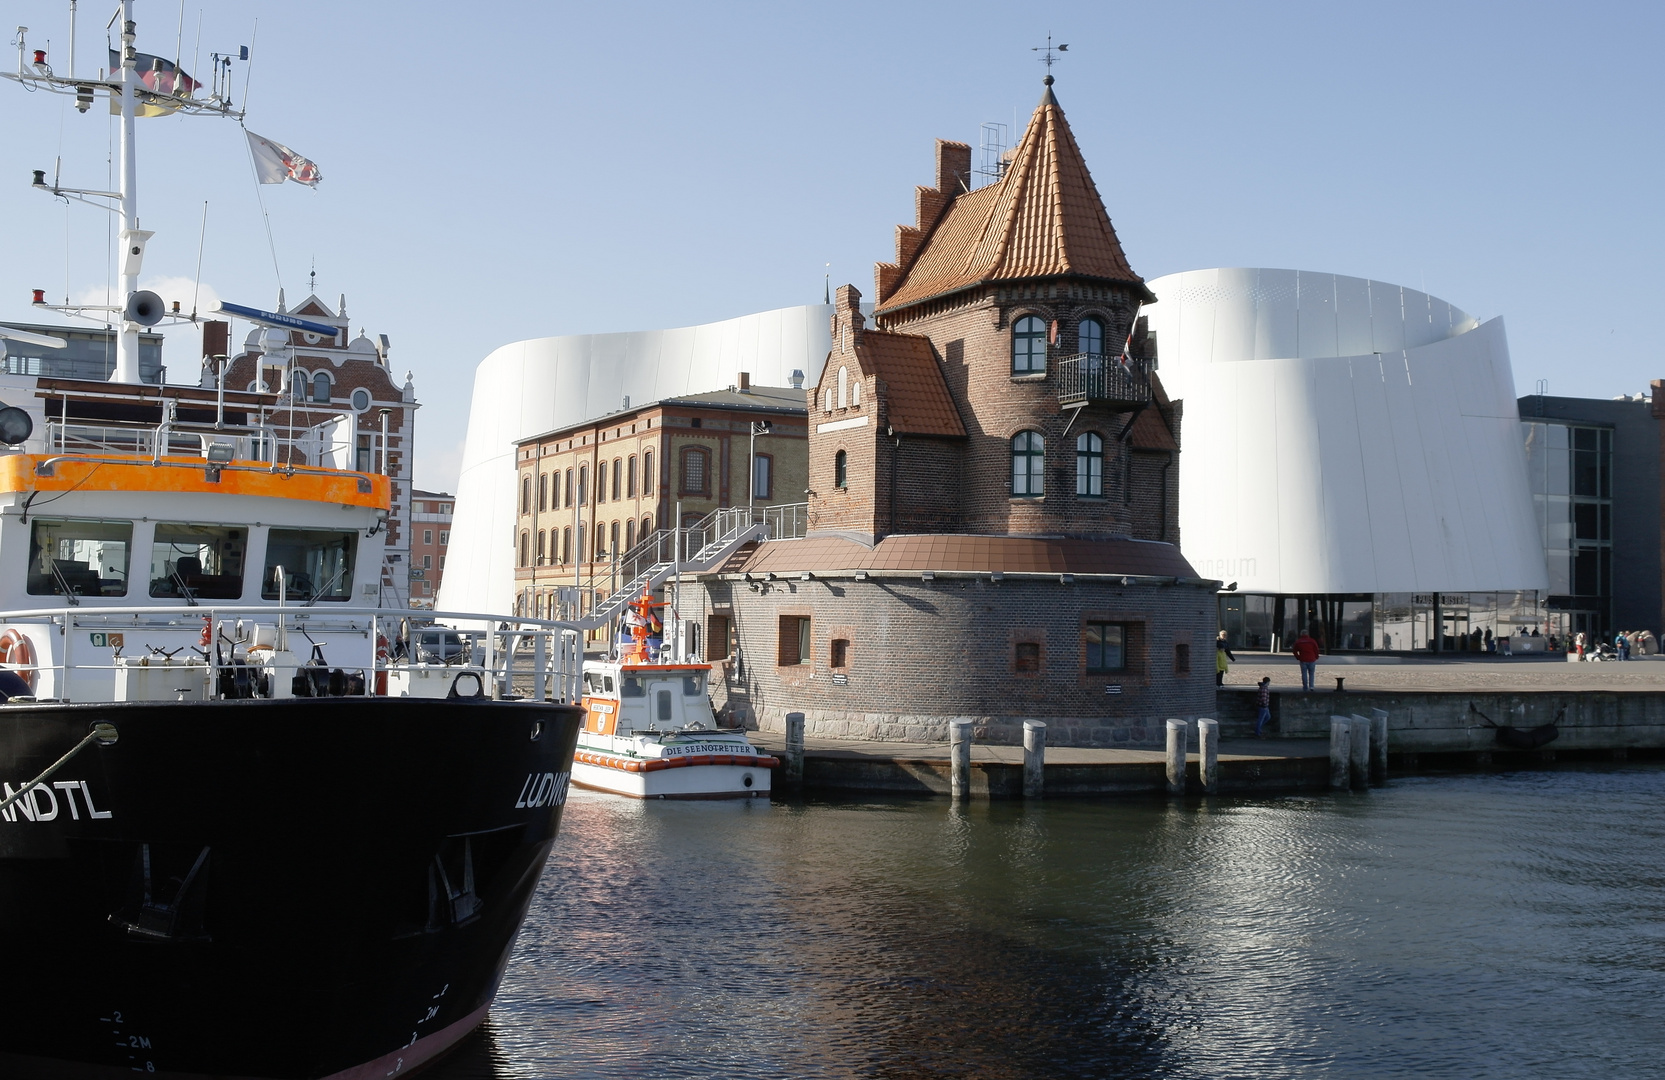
(993, 492)
(318, 379)
(430, 539)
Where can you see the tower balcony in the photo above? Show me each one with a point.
(1091, 379)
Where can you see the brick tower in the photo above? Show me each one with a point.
(993, 502)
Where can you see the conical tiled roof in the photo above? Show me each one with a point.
(1043, 218)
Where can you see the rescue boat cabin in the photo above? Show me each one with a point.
(623, 699)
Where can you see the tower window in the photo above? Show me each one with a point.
(1028, 346)
(1089, 465)
(1090, 337)
(1028, 465)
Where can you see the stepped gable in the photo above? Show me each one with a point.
(1044, 218)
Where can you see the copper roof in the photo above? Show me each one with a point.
(1043, 218)
(917, 397)
(1007, 554)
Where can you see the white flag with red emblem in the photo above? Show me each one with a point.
(274, 163)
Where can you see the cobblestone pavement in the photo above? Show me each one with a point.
(1491, 673)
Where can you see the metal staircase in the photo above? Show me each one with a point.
(703, 546)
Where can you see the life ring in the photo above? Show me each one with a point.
(16, 649)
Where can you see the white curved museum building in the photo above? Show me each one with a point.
(529, 387)
(1352, 457)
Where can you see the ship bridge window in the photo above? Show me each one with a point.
(693, 685)
(317, 564)
(197, 562)
(664, 704)
(633, 686)
(83, 558)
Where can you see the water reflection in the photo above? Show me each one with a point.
(1484, 926)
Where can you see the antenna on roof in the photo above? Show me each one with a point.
(992, 145)
(1047, 50)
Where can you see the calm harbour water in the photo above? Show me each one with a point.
(1487, 926)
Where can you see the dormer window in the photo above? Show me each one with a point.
(1029, 346)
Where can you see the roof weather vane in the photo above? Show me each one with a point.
(1047, 50)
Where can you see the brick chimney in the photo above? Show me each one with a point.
(745, 382)
(216, 338)
(848, 322)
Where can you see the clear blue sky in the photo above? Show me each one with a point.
(501, 171)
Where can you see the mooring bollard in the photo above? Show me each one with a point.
(959, 750)
(1034, 758)
(1340, 729)
(1358, 750)
(1208, 750)
(1378, 746)
(794, 749)
(1177, 732)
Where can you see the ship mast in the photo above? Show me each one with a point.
(132, 244)
(126, 85)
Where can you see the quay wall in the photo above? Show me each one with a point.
(1446, 721)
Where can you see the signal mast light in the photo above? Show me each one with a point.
(40, 296)
(40, 56)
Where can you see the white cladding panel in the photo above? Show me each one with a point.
(530, 387)
(1344, 435)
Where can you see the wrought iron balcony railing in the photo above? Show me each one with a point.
(1091, 379)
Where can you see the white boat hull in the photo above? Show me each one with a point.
(632, 778)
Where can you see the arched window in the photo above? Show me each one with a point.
(841, 470)
(1090, 337)
(569, 488)
(1028, 464)
(615, 538)
(630, 534)
(829, 399)
(647, 526)
(1028, 346)
(526, 494)
(1089, 464)
(297, 389)
(583, 484)
(600, 541)
(320, 387)
(843, 387)
(618, 475)
(695, 475)
(543, 491)
(525, 539)
(566, 544)
(630, 478)
(855, 394)
(540, 547)
(650, 479)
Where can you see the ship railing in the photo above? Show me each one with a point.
(516, 657)
(158, 440)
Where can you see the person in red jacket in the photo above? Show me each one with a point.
(1306, 651)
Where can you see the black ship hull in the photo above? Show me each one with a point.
(272, 889)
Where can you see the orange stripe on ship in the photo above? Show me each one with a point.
(17, 473)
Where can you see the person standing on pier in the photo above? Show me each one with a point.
(1306, 651)
(1263, 699)
(1223, 659)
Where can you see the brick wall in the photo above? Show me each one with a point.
(922, 653)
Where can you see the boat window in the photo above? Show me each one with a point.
(87, 557)
(693, 685)
(633, 686)
(592, 682)
(664, 703)
(317, 564)
(202, 562)
(607, 681)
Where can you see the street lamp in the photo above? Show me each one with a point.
(759, 427)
